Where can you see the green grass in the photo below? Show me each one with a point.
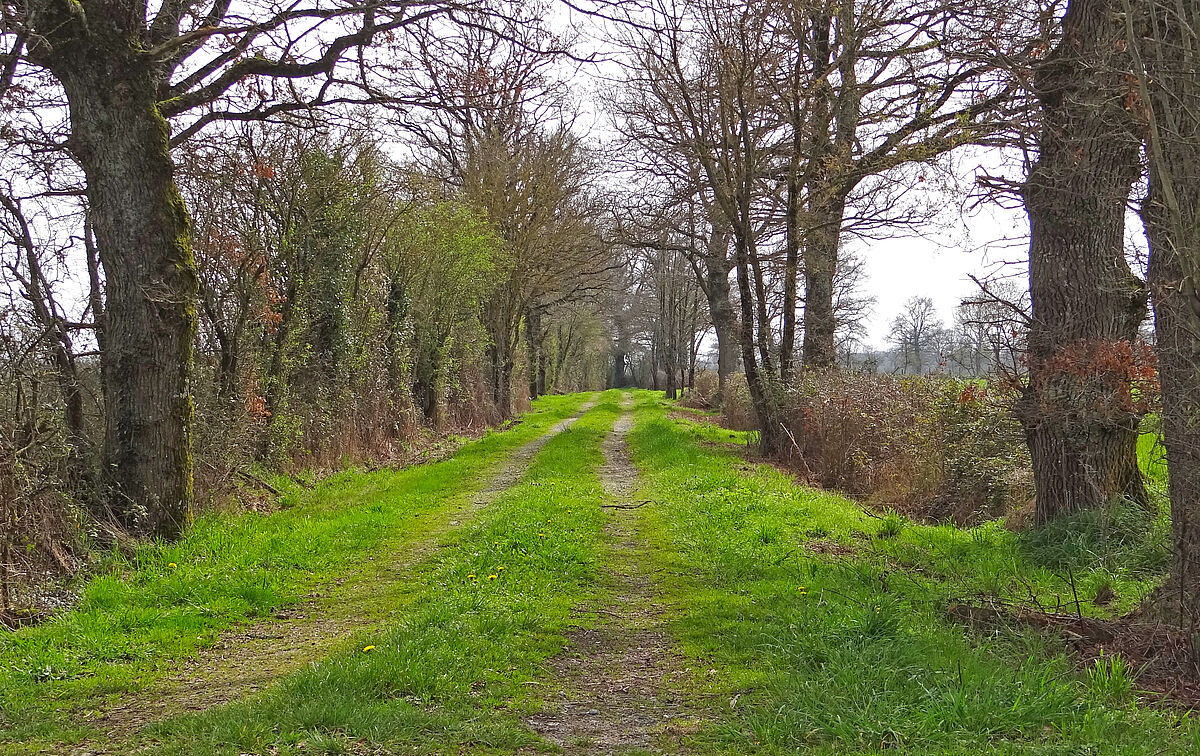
(854, 654)
(786, 650)
(481, 619)
(138, 615)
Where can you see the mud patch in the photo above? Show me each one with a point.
(829, 548)
(616, 687)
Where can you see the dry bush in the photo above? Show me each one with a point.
(737, 413)
(933, 447)
(469, 407)
(703, 393)
(39, 524)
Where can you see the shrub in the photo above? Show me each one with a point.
(932, 447)
(703, 393)
(737, 413)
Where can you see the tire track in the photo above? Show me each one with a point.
(618, 684)
(249, 658)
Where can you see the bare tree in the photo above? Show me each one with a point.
(865, 89)
(506, 141)
(916, 333)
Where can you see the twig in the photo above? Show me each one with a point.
(626, 506)
(257, 480)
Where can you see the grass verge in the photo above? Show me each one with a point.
(825, 630)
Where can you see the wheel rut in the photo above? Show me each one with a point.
(249, 658)
(616, 688)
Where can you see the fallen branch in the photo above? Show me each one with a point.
(626, 506)
(257, 480)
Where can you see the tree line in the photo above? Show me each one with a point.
(792, 129)
(223, 246)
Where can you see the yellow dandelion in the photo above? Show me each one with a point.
(368, 649)
(172, 565)
(492, 577)
(541, 535)
(471, 576)
(501, 569)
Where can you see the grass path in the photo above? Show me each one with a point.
(148, 619)
(736, 613)
(298, 635)
(617, 686)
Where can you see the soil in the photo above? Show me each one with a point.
(617, 686)
(299, 634)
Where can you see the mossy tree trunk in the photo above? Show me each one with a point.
(121, 140)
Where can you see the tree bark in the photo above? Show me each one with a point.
(820, 270)
(717, 291)
(1086, 301)
(141, 227)
(1168, 52)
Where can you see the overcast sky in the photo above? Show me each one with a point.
(987, 242)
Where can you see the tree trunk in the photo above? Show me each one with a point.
(427, 377)
(724, 318)
(1177, 326)
(142, 234)
(1086, 301)
(502, 361)
(791, 263)
(820, 271)
(533, 343)
(542, 368)
(761, 391)
(1170, 49)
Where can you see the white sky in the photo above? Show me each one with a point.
(985, 243)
